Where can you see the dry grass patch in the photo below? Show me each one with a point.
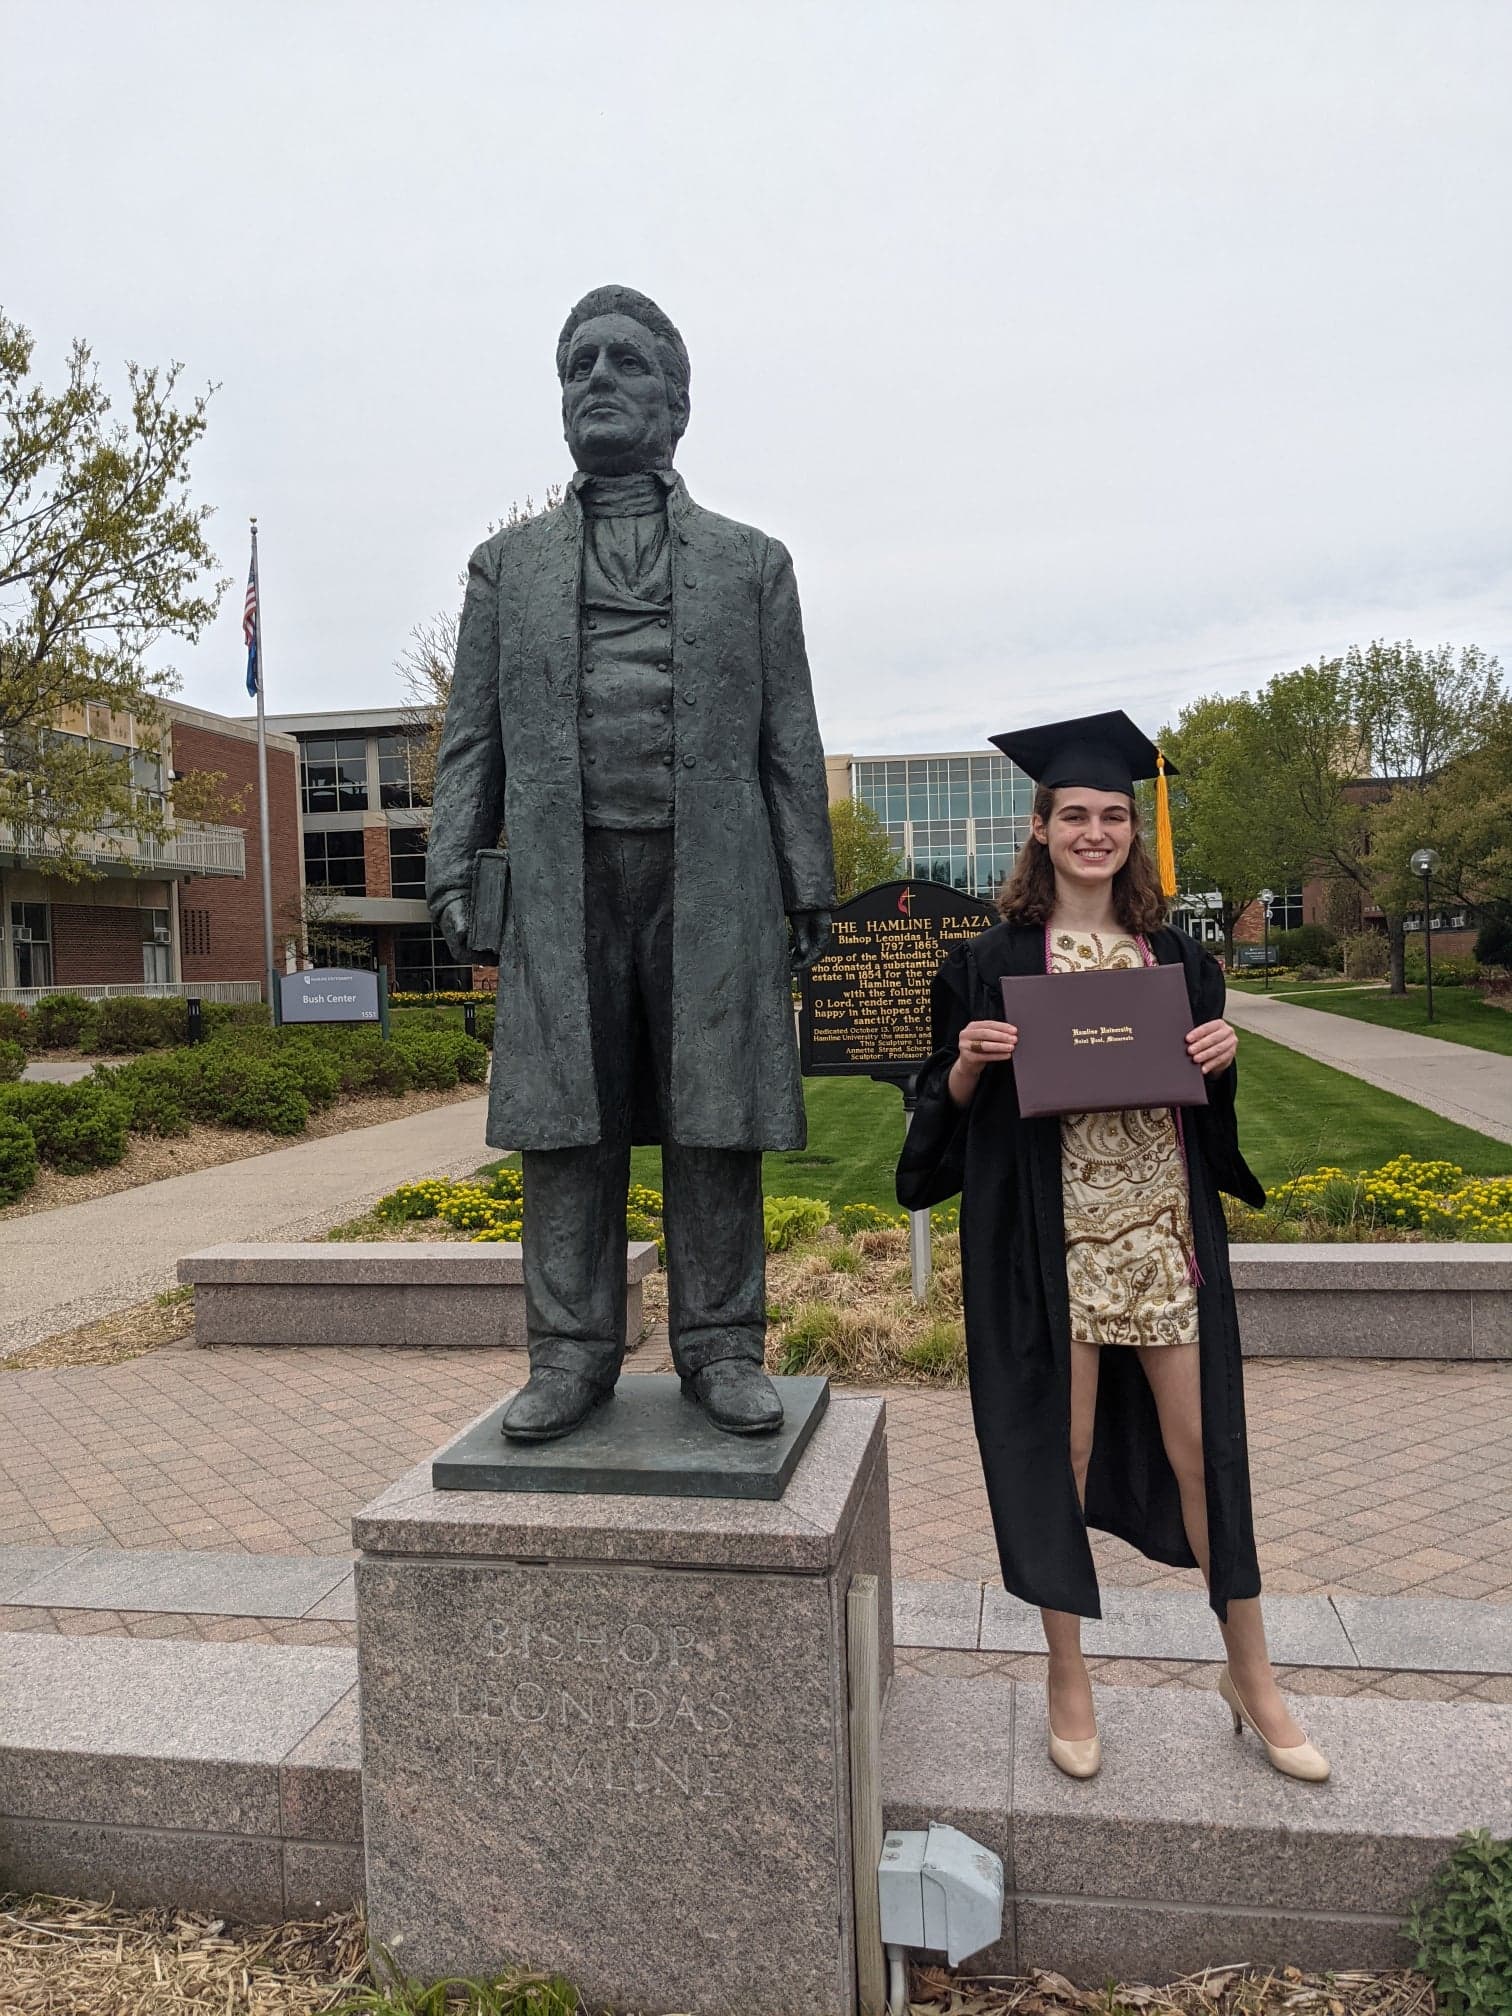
(845, 1307)
(111, 1340)
(1219, 1991)
(59, 1957)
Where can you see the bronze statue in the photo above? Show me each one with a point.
(632, 706)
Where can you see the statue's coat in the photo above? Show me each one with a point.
(752, 838)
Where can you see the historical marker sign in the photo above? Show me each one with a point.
(328, 994)
(866, 1002)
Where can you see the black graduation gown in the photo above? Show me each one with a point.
(1018, 1322)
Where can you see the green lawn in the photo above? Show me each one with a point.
(1293, 1115)
(855, 1131)
(1459, 1014)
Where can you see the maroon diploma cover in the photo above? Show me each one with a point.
(1096, 1042)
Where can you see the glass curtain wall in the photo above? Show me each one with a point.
(955, 819)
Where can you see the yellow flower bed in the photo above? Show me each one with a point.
(1436, 1198)
(496, 1209)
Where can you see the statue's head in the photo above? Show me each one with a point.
(624, 373)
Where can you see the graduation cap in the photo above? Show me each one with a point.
(1103, 752)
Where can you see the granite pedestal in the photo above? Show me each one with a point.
(607, 1734)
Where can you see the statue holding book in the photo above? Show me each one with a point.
(632, 710)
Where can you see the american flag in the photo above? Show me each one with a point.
(249, 626)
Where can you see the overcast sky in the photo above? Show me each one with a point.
(1083, 352)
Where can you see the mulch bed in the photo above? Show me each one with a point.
(149, 1158)
(59, 1957)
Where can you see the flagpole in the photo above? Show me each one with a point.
(262, 796)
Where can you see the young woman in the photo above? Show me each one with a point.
(1101, 1335)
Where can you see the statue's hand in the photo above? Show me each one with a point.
(452, 924)
(811, 934)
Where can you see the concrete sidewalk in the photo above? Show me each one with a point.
(1473, 1087)
(68, 1266)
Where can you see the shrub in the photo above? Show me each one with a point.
(485, 1024)
(1493, 946)
(1463, 1928)
(430, 1058)
(237, 1090)
(1449, 970)
(18, 1158)
(1367, 955)
(75, 1127)
(16, 1025)
(126, 1023)
(442, 1057)
(160, 1092)
(12, 1060)
(1307, 945)
(61, 1021)
(367, 1064)
(790, 1219)
(313, 1069)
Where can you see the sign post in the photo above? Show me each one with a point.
(865, 1004)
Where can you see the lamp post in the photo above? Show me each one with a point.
(1267, 897)
(1423, 863)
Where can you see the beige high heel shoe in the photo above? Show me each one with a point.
(1078, 1758)
(1300, 1760)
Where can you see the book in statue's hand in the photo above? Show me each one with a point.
(1100, 1041)
(488, 900)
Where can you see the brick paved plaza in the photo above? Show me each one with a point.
(1370, 1478)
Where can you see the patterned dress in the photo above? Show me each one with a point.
(1128, 1219)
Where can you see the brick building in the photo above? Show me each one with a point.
(164, 916)
(365, 817)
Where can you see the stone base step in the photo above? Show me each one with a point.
(442, 1293)
(227, 1778)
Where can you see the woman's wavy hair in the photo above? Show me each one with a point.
(1028, 895)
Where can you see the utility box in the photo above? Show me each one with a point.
(941, 1891)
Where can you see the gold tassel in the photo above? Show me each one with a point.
(1165, 851)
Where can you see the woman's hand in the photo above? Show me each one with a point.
(979, 1044)
(1212, 1045)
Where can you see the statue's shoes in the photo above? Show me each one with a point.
(551, 1403)
(737, 1396)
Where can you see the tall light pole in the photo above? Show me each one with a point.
(1267, 897)
(1423, 863)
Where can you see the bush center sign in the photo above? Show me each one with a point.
(327, 994)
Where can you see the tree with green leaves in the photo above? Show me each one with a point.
(1371, 730)
(1229, 809)
(864, 851)
(1465, 815)
(102, 555)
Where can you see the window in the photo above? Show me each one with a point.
(407, 860)
(333, 773)
(335, 861)
(157, 948)
(955, 819)
(422, 964)
(31, 934)
(344, 946)
(396, 784)
(1286, 911)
